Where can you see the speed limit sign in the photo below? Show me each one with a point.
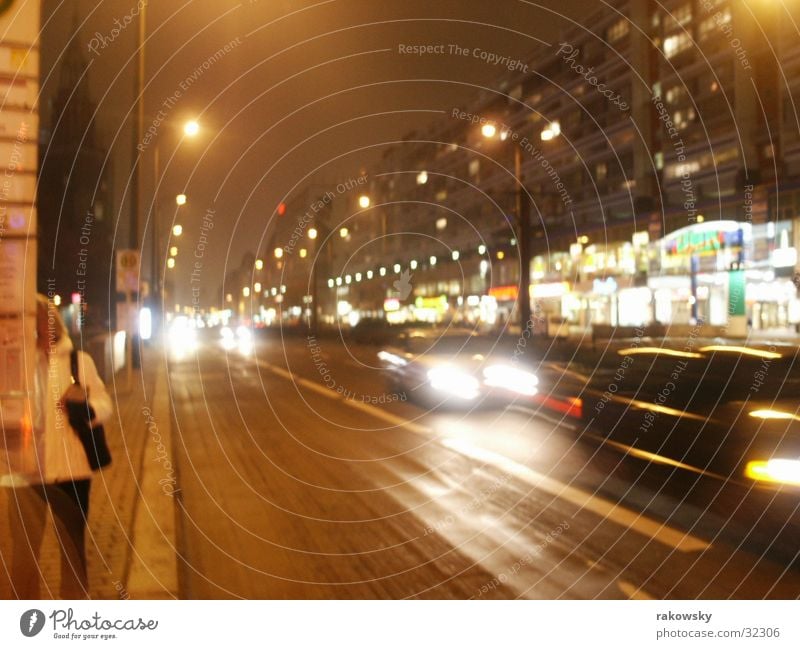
(127, 270)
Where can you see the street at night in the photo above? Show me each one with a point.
(296, 486)
(350, 323)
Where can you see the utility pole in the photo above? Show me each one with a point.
(137, 130)
(523, 243)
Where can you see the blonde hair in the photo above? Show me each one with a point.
(47, 311)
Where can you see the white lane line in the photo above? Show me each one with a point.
(388, 417)
(316, 387)
(600, 506)
(374, 411)
(631, 591)
(605, 508)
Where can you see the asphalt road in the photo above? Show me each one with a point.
(301, 477)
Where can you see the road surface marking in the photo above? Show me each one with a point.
(316, 387)
(604, 508)
(632, 592)
(376, 412)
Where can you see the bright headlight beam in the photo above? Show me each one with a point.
(747, 351)
(662, 351)
(766, 413)
(779, 471)
(454, 381)
(391, 358)
(511, 378)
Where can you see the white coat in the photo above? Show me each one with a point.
(60, 452)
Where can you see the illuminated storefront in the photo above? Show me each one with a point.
(719, 271)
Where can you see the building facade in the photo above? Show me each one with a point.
(657, 146)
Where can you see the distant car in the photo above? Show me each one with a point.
(725, 409)
(456, 367)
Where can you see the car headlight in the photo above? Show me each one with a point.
(391, 358)
(781, 471)
(768, 413)
(454, 381)
(511, 378)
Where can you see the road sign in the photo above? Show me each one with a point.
(127, 270)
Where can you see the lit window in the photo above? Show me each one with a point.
(600, 171)
(709, 26)
(683, 14)
(618, 30)
(675, 94)
(682, 169)
(474, 167)
(676, 44)
(657, 89)
(682, 118)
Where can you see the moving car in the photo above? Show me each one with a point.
(457, 368)
(722, 409)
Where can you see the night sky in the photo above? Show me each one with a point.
(301, 87)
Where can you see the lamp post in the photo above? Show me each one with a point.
(190, 130)
(523, 227)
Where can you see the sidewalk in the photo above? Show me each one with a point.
(130, 542)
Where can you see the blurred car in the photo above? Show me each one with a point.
(456, 367)
(725, 410)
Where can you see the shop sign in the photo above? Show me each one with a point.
(505, 293)
(736, 293)
(701, 239)
(436, 303)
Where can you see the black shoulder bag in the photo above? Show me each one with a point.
(80, 415)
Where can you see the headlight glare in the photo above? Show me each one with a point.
(511, 378)
(780, 471)
(454, 381)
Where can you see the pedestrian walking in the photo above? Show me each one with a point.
(67, 384)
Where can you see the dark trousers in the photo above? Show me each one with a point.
(69, 502)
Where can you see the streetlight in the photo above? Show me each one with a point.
(259, 264)
(523, 223)
(278, 253)
(312, 233)
(488, 130)
(191, 128)
(173, 251)
(343, 232)
(363, 201)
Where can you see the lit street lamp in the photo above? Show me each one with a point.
(523, 226)
(190, 129)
